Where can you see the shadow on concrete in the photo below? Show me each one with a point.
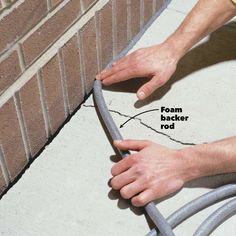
(220, 47)
(212, 181)
(113, 194)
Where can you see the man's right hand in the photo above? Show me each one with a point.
(156, 62)
(159, 62)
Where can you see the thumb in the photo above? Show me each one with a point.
(134, 145)
(148, 88)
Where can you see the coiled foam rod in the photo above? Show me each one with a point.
(164, 226)
(150, 208)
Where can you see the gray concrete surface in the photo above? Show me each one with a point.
(66, 192)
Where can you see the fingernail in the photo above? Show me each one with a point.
(104, 71)
(117, 141)
(141, 95)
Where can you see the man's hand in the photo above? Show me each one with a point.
(157, 63)
(153, 172)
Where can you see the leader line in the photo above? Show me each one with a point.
(133, 117)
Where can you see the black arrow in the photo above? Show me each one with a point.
(131, 118)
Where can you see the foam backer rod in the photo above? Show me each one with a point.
(157, 218)
(164, 226)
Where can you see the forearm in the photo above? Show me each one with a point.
(211, 159)
(155, 171)
(205, 17)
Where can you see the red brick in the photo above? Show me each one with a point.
(121, 25)
(2, 182)
(53, 93)
(9, 71)
(71, 58)
(105, 21)
(21, 20)
(89, 52)
(11, 139)
(148, 10)
(54, 3)
(40, 40)
(33, 115)
(159, 4)
(135, 16)
(88, 3)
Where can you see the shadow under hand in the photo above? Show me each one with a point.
(115, 195)
(124, 203)
(115, 158)
(212, 181)
(218, 48)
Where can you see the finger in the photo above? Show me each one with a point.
(143, 198)
(108, 72)
(132, 189)
(121, 75)
(99, 75)
(148, 88)
(161, 191)
(123, 60)
(123, 165)
(129, 144)
(123, 179)
(116, 67)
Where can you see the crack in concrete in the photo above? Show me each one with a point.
(176, 10)
(146, 125)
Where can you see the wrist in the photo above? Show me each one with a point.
(209, 159)
(177, 45)
(190, 164)
(200, 161)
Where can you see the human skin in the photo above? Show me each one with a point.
(159, 62)
(155, 171)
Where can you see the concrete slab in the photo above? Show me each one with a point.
(66, 192)
(182, 7)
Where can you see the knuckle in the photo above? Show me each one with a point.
(113, 170)
(132, 159)
(146, 179)
(138, 171)
(139, 201)
(160, 82)
(177, 184)
(114, 184)
(124, 193)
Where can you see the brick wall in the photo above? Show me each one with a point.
(50, 52)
